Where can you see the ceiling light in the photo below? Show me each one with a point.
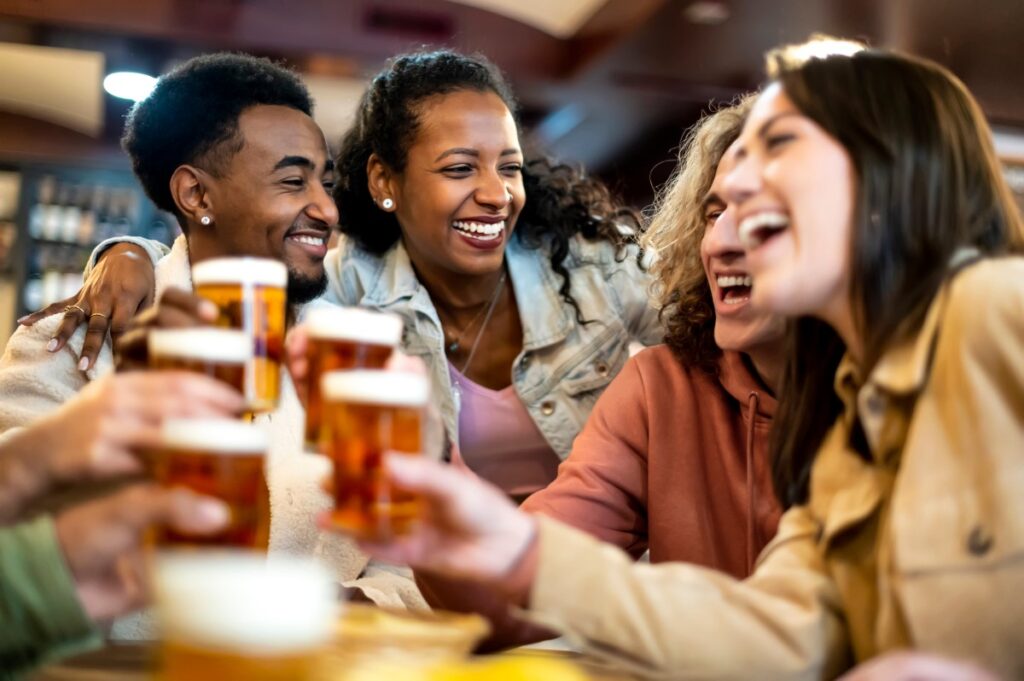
(706, 13)
(128, 85)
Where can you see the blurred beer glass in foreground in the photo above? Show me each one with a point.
(218, 353)
(227, 616)
(250, 294)
(344, 338)
(368, 413)
(221, 458)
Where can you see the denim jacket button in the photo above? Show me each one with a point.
(547, 407)
(979, 541)
(525, 361)
(601, 368)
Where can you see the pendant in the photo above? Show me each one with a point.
(453, 346)
(457, 396)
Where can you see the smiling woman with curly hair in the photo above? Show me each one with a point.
(519, 279)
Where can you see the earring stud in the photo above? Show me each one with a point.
(388, 204)
(206, 220)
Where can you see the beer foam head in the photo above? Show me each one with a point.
(389, 388)
(240, 601)
(253, 271)
(354, 324)
(228, 346)
(227, 436)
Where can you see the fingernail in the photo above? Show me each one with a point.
(21, 320)
(83, 364)
(212, 512)
(52, 345)
(208, 310)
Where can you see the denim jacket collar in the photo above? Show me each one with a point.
(545, 318)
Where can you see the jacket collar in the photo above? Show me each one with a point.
(736, 376)
(174, 269)
(544, 316)
(903, 369)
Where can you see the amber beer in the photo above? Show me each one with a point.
(344, 338)
(251, 295)
(238, 615)
(222, 458)
(218, 353)
(368, 413)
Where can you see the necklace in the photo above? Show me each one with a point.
(456, 339)
(456, 388)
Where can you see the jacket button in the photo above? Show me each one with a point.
(979, 541)
(547, 407)
(525, 361)
(601, 368)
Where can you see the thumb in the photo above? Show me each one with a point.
(183, 510)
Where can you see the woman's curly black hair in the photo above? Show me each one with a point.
(561, 201)
(192, 117)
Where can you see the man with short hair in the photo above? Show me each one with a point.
(227, 144)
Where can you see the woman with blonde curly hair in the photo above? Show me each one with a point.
(673, 459)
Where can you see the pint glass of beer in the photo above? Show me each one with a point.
(344, 338)
(219, 353)
(225, 615)
(368, 413)
(250, 294)
(222, 458)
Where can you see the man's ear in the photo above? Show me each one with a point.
(381, 181)
(189, 189)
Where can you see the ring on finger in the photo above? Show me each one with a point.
(97, 314)
(69, 308)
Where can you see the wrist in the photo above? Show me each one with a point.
(517, 580)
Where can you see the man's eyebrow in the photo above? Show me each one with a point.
(299, 161)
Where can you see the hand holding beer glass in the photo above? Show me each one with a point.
(220, 458)
(251, 296)
(366, 414)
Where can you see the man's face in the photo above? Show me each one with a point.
(273, 198)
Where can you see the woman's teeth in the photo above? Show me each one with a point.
(311, 240)
(485, 231)
(735, 288)
(757, 229)
(726, 282)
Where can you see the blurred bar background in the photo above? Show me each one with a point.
(611, 84)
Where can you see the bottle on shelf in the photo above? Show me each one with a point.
(72, 215)
(39, 212)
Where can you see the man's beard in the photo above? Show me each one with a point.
(302, 289)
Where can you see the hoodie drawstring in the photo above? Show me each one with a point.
(752, 403)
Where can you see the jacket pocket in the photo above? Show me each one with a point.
(595, 367)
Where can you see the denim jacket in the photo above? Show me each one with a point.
(564, 366)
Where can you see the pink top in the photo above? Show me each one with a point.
(499, 441)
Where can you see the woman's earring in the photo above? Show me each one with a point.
(387, 204)
(206, 220)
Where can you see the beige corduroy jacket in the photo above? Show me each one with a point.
(919, 545)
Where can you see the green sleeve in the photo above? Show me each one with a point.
(40, 614)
